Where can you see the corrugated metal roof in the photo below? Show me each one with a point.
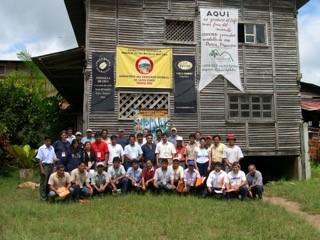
(65, 71)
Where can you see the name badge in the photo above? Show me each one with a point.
(98, 154)
(63, 154)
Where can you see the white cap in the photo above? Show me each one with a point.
(100, 164)
(78, 133)
(179, 138)
(89, 130)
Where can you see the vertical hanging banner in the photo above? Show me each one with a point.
(185, 97)
(102, 82)
(144, 67)
(219, 46)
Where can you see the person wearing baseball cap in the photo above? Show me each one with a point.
(190, 177)
(89, 136)
(78, 138)
(232, 153)
(181, 152)
(173, 136)
(101, 180)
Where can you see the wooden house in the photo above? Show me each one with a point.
(266, 116)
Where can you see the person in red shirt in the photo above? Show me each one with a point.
(100, 148)
(147, 176)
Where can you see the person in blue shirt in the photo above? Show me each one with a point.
(134, 176)
(62, 149)
(89, 138)
(76, 156)
(122, 139)
(149, 150)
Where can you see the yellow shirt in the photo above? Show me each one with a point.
(216, 152)
(191, 151)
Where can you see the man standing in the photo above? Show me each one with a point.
(46, 157)
(216, 152)
(78, 139)
(255, 182)
(236, 182)
(122, 139)
(134, 176)
(232, 153)
(80, 187)
(132, 151)
(140, 139)
(190, 178)
(158, 136)
(165, 150)
(181, 152)
(163, 178)
(191, 153)
(100, 149)
(105, 137)
(89, 137)
(149, 150)
(62, 148)
(118, 176)
(173, 136)
(101, 180)
(59, 184)
(147, 176)
(216, 181)
(70, 136)
(115, 150)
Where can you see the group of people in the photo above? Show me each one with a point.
(77, 167)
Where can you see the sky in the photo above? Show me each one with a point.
(45, 28)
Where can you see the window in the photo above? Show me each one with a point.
(2, 70)
(250, 106)
(131, 102)
(179, 31)
(252, 33)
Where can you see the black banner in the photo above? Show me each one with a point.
(102, 81)
(185, 97)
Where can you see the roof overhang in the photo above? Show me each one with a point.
(77, 15)
(300, 3)
(65, 71)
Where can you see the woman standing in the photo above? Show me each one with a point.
(88, 156)
(202, 158)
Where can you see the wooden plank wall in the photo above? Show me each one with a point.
(264, 69)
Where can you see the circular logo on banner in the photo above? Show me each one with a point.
(144, 65)
(185, 65)
(103, 65)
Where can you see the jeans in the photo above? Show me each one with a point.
(164, 187)
(44, 178)
(78, 192)
(257, 191)
(203, 169)
(123, 185)
(242, 193)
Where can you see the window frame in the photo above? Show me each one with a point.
(245, 43)
(249, 101)
(181, 19)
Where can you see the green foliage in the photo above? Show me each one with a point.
(23, 155)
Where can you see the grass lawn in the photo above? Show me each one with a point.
(307, 193)
(23, 216)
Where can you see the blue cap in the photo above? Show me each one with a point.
(191, 163)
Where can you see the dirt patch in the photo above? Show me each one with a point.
(294, 207)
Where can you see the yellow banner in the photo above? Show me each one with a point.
(144, 67)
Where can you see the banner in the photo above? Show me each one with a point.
(219, 46)
(102, 98)
(151, 119)
(185, 97)
(144, 68)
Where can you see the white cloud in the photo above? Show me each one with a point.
(309, 38)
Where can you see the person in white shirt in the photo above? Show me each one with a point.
(236, 182)
(132, 151)
(165, 150)
(118, 176)
(163, 178)
(115, 150)
(46, 157)
(216, 181)
(202, 158)
(231, 153)
(70, 136)
(178, 172)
